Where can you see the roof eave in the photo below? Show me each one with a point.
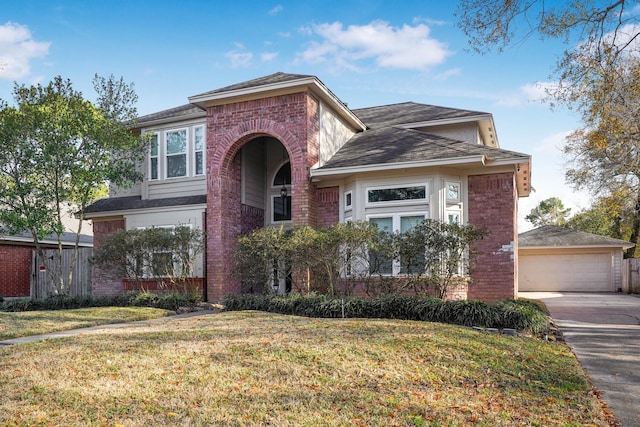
(593, 246)
(333, 172)
(120, 212)
(164, 120)
(485, 123)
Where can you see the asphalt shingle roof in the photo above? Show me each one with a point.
(261, 81)
(109, 204)
(397, 145)
(409, 112)
(549, 235)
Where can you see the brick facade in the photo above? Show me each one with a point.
(15, 270)
(103, 284)
(293, 120)
(493, 206)
(328, 206)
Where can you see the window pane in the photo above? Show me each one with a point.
(348, 199)
(283, 176)
(198, 168)
(154, 145)
(154, 168)
(383, 224)
(409, 222)
(393, 194)
(199, 138)
(282, 208)
(176, 165)
(453, 192)
(378, 263)
(177, 142)
(162, 264)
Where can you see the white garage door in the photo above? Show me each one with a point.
(565, 272)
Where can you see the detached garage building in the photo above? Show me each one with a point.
(557, 259)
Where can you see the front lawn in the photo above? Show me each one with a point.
(24, 323)
(252, 368)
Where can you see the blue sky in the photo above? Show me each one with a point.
(367, 52)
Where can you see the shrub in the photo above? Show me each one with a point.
(170, 301)
(516, 314)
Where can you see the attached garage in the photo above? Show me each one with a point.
(557, 259)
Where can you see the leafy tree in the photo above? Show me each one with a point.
(549, 212)
(600, 31)
(604, 155)
(57, 147)
(166, 255)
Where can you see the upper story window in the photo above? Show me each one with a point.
(153, 157)
(198, 147)
(177, 153)
(176, 149)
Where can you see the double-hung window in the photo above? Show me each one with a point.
(176, 149)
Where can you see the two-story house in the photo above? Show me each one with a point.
(284, 149)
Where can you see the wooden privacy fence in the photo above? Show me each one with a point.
(81, 286)
(631, 275)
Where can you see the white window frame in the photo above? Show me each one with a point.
(202, 150)
(348, 200)
(457, 199)
(185, 152)
(398, 202)
(155, 135)
(395, 227)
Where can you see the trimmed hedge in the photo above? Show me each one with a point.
(170, 301)
(516, 314)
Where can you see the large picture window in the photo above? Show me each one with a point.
(176, 149)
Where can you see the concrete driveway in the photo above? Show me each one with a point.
(603, 331)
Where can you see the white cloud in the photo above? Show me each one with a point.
(409, 47)
(268, 56)
(448, 73)
(239, 59)
(276, 10)
(553, 144)
(528, 93)
(17, 50)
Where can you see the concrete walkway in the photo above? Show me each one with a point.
(603, 331)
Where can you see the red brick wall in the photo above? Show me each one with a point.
(294, 121)
(15, 270)
(328, 206)
(493, 206)
(103, 285)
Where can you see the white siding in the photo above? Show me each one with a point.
(467, 132)
(177, 187)
(169, 217)
(253, 175)
(333, 134)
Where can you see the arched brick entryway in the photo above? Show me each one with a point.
(293, 121)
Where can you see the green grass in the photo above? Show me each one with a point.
(253, 369)
(20, 324)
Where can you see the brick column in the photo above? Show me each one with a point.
(493, 202)
(103, 284)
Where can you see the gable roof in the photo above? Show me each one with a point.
(183, 112)
(553, 236)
